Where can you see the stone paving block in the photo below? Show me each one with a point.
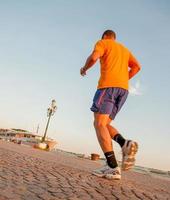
(26, 177)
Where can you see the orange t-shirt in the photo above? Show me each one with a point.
(114, 60)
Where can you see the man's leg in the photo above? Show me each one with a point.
(102, 108)
(104, 138)
(112, 130)
(114, 134)
(129, 148)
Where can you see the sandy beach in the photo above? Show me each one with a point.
(27, 173)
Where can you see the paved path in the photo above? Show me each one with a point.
(30, 174)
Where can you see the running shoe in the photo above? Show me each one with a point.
(108, 173)
(129, 151)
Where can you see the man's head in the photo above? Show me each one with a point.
(109, 34)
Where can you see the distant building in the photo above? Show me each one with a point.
(20, 135)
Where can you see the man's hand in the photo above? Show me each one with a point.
(91, 60)
(83, 71)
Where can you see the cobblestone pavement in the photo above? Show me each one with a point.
(26, 176)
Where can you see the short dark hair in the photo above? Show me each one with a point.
(109, 33)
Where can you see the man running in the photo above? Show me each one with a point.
(117, 66)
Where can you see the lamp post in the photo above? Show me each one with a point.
(38, 128)
(50, 112)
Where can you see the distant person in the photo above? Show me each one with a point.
(117, 66)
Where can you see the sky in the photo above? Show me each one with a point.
(43, 45)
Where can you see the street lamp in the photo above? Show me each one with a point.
(50, 112)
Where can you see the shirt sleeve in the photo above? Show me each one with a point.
(99, 47)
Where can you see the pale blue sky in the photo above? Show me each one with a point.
(43, 44)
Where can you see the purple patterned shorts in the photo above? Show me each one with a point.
(109, 101)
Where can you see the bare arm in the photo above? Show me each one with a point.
(91, 60)
(134, 66)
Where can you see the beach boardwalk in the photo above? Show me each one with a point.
(31, 174)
